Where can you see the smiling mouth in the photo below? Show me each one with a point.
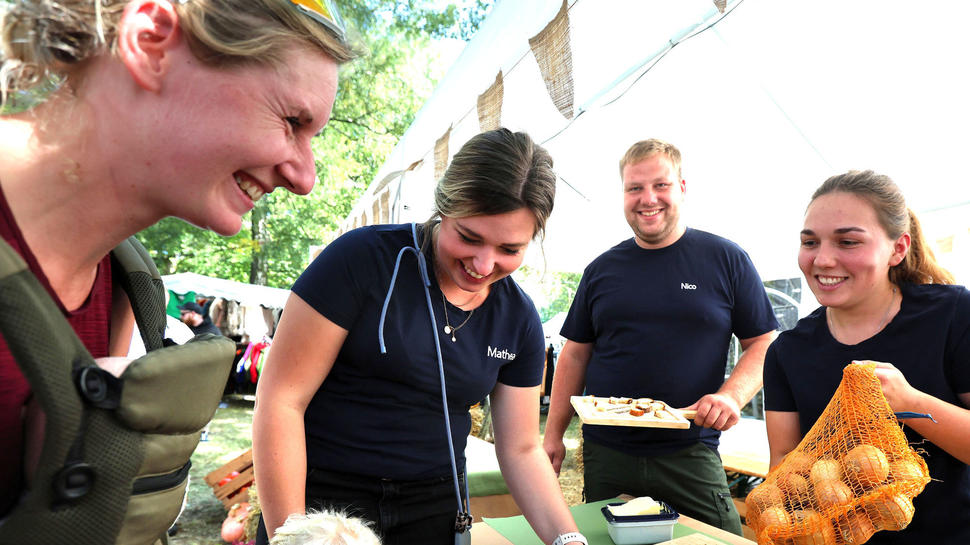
(472, 273)
(649, 213)
(249, 187)
(829, 280)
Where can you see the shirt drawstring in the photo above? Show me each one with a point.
(426, 283)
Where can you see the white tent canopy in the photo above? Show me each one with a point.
(242, 293)
(772, 99)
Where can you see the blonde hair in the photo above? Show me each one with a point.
(324, 528)
(919, 266)
(647, 148)
(45, 39)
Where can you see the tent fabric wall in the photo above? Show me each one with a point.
(256, 309)
(765, 104)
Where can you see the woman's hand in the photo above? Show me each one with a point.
(947, 430)
(899, 393)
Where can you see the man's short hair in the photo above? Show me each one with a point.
(646, 148)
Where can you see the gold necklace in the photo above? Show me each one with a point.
(451, 330)
(882, 324)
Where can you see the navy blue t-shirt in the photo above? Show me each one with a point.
(929, 341)
(379, 414)
(660, 322)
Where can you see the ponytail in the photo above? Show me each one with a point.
(920, 265)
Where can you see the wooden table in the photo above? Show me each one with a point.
(483, 534)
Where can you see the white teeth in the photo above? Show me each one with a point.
(829, 280)
(649, 213)
(251, 189)
(473, 274)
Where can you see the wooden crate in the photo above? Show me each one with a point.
(244, 465)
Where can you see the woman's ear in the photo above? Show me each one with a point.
(900, 249)
(147, 33)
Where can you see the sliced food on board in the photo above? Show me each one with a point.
(627, 411)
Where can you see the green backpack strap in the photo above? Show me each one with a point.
(85, 456)
(115, 459)
(137, 274)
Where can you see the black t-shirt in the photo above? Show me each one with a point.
(929, 341)
(206, 326)
(660, 322)
(381, 414)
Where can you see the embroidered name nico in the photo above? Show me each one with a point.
(500, 354)
(686, 286)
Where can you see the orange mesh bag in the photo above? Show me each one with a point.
(852, 475)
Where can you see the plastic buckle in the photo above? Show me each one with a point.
(72, 482)
(99, 387)
(92, 384)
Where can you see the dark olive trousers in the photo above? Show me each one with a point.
(691, 481)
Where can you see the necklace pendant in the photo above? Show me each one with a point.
(448, 331)
(453, 339)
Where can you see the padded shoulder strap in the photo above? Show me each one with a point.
(49, 354)
(40, 339)
(136, 273)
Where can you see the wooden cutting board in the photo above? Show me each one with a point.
(615, 415)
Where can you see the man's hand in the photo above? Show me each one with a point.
(718, 411)
(556, 450)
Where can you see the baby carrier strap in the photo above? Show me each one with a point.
(136, 273)
(114, 461)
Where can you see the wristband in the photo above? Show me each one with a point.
(569, 537)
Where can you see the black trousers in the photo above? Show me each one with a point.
(400, 512)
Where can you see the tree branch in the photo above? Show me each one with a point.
(362, 125)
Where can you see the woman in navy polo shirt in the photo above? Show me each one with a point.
(884, 298)
(349, 411)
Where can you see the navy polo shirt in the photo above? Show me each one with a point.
(381, 414)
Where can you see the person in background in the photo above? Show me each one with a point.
(151, 108)
(653, 317)
(324, 528)
(175, 330)
(197, 319)
(340, 423)
(884, 298)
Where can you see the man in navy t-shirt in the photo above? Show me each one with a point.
(653, 317)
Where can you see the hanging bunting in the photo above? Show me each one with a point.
(552, 52)
(490, 105)
(386, 206)
(441, 155)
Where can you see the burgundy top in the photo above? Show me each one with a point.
(92, 323)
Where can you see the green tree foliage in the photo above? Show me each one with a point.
(552, 292)
(377, 98)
